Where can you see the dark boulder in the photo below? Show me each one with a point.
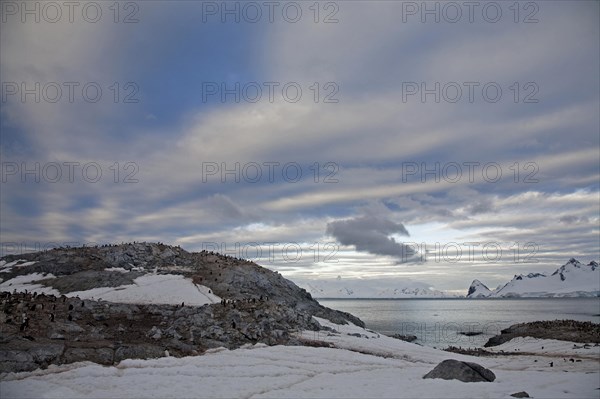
(463, 371)
(521, 394)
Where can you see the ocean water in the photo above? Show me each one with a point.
(438, 322)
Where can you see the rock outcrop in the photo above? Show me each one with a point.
(562, 330)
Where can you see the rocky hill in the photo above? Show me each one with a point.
(143, 300)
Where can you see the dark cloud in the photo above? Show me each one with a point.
(484, 205)
(573, 219)
(371, 234)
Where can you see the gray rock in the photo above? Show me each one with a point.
(16, 361)
(155, 333)
(99, 316)
(451, 369)
(96, 355)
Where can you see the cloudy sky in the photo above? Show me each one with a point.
(372, 140)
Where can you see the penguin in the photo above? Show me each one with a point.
(70, 306)
(70, 317)
(551, 364)
(24, 322)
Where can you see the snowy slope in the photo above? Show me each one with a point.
(170, 289)
(28, 282)
(376, 366)
(573, 279)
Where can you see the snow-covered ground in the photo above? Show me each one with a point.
(371, 366)
(172, 289)
(27, 282)
(7, 267)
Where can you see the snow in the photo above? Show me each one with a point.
(7, 267)
(170, 289)
(22, 283)
(303, 372)
(116, 269)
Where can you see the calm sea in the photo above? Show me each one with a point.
(438, 322)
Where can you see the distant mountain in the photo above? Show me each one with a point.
(372, 288)
(573, 279)
(478, 290)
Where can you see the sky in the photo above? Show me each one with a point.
(377, 141)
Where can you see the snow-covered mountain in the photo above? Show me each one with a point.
(371, 288)
(478, 290)
(573, 279)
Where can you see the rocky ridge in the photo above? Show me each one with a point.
(257, 306)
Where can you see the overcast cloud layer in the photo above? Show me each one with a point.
(432, 150)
